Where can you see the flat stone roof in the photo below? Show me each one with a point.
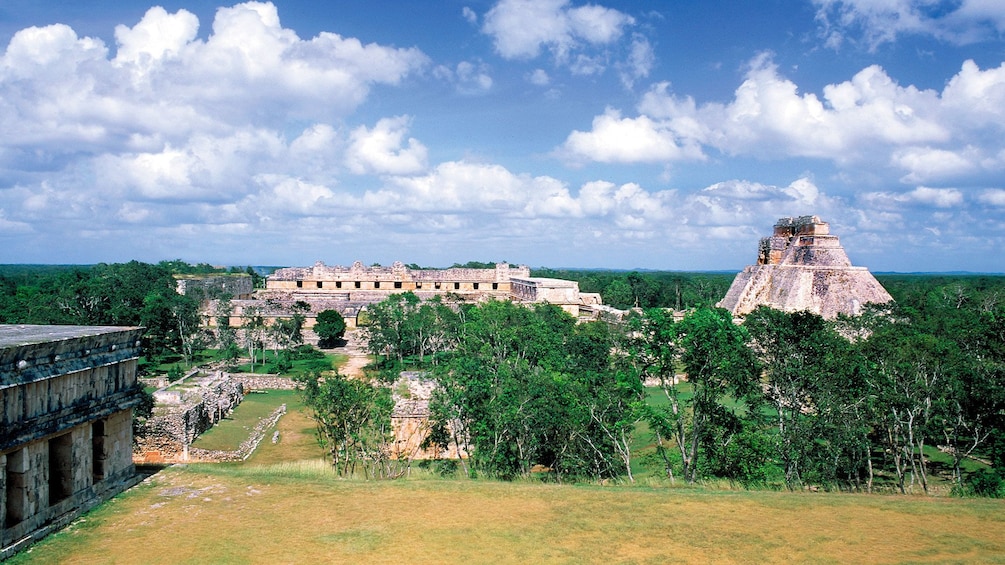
(544, 281)
(17, 335)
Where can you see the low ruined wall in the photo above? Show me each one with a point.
(173, 427)
(263, 382)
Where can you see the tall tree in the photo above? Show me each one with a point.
(813, 381)
(353, 419)
(717, 363)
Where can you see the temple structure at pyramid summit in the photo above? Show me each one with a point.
(803, 267)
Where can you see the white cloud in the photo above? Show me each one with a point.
(520, 28)
(614, 139)
(918, 135)
(469, 15)
(876, 22)
(539, 77)
(993, 196)
(383, 149)
(158, 36)
(60, 93)
(469, 78)
(641, 59)
(926, 164)
(207, 168)
(920, 196)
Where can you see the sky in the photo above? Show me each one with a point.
(559, 133)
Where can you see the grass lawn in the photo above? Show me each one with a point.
(228, 434)
(252, 514)
(330, 360)
(297, 439)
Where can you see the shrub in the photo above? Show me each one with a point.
(175, 373)
(985, 483)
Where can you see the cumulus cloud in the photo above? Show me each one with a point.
(920, 135)
(874, 23)
(157, 37)
(61, 93)
(615, 139)
(380, 150)
(207, 168)
(920, 196)
(521, 28)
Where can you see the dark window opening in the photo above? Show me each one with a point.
(338, 284)
(418, 285)
(357, 284)
(376, 284)
(457, 286)
(495, 286)
(319, 284)
(437, 286)
(60, 468)
(15, 491)
(397, 284)
(476, 286)
(99, 457)
(300, 284)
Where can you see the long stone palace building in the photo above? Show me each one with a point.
(802, 266)
(67, 394)
(349, 290)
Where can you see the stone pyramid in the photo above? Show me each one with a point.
(803, 267)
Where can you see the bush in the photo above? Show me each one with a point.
(984, 483)
(306, 351)
(282, 365)
(175, 373)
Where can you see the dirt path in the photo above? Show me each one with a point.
(355, 348)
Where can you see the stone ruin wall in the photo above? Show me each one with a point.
(396, 272)
(210, 286)
(251, 381)
(183, 414)
(410, 419)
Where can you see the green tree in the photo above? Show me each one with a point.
(714, 355)
(330, 327)
(526, 386)
(813, 380)
(353, 420)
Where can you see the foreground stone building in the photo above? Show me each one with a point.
(802, 266)
(67, 394)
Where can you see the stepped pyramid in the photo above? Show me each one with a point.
(803, 267)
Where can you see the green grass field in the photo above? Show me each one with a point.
(228, 434)
(254, 514)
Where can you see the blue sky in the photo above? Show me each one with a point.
(660, 135)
